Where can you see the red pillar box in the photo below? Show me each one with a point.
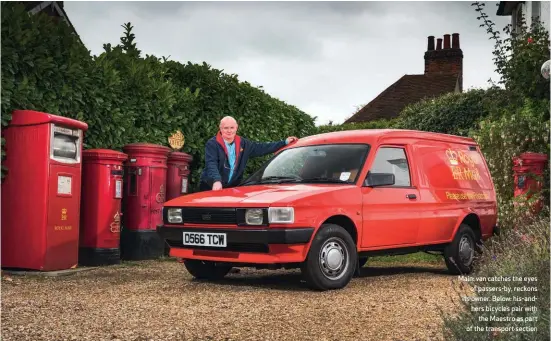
(144, 195)
(41, 192)
(102, 187)
(177, 175)
(527, 168)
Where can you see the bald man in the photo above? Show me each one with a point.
(227, 153)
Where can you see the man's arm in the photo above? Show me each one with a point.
(211, 161)
(263, 148)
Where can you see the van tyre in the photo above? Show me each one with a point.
(332, 259)
(206, 270)
(460, 254)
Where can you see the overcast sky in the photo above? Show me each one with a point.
(326, 58)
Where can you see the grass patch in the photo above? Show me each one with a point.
(418, 257)
(507, 296)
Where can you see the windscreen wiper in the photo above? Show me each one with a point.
(324, 180)
(279, 179)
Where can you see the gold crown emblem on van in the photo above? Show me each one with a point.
(176, 140)
(452, 157)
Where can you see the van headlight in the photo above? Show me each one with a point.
(281, 215)
(254, 216)
(174, 215)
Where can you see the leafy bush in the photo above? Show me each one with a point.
(122, 98)
(126, 98)
(452, 113)
(517, 130)
(260, 117)
(518, 57)
(521, 251)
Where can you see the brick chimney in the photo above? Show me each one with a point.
(445, 60)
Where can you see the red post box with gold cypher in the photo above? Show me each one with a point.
(527, 168)
(143, 199)
(41, 192)
(101, 207)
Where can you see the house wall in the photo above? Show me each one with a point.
(545, 9)
(532, 9)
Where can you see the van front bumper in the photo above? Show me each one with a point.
(244, 245)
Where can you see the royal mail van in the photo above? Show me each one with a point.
(327, 202)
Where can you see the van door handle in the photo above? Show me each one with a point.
(411, 196)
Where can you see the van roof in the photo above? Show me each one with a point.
(373, 135)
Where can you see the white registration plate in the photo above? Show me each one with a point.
(205, 239)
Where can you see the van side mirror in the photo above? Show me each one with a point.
(379, 179)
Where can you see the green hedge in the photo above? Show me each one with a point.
(452, 113)
(260, 117)
(518, 129)
(127, 98)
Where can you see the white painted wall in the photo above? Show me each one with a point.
(532, 9)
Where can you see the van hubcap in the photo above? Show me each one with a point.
(333, 258)
(466, 251)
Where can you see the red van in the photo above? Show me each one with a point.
(328, 202)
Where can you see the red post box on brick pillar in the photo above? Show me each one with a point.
(41, 192)
(177, 174)
(102, 187)
(528, 167)
(144, 194)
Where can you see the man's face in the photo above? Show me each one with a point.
(228, 128)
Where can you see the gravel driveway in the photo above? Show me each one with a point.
(159, 300)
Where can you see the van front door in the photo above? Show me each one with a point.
(390, 212)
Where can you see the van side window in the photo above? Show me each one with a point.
(392, 160)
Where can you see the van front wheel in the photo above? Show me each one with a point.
(460, 253)
(331, 260)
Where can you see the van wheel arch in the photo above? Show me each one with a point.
(473, 221)
(346, 223)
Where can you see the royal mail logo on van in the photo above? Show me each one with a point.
(452, 157)
(456, 157)
(467, 170)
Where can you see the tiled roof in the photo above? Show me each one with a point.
(407, 90)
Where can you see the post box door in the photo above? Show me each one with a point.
(158, 196)
(63, 217)
(137, 195)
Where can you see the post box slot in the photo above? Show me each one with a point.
(116, 172)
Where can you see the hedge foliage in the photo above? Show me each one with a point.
(260, 117)
(517, 130)
(452, 113)
(126, 97)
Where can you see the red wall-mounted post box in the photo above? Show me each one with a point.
(527, 168)
(144, 194)
(177, 174)
(41, 192)
(102, 189)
